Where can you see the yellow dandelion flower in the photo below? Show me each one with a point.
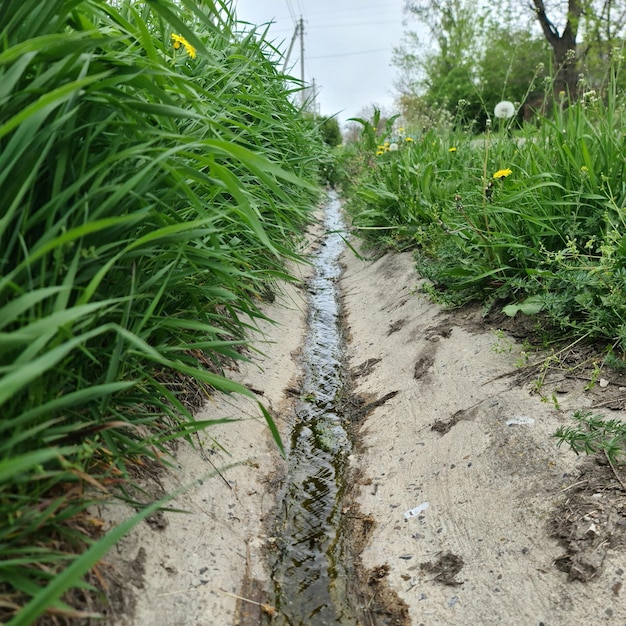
(409, 139)
(179, 40)
(452, 149)
(502, 173)
(379, 152)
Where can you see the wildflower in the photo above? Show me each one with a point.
(584, 171)
(452, 149)
(401, 130)
(409, 139)
(502, 173)
(179, 40)
(393, 147)
(504, 109)
(379, 152)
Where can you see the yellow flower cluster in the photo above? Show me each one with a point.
(179, 40)
(502, 173)
(382, 149)
(452, 149)
(394, 146)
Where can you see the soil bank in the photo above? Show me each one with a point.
(470, 514)
(478, 517)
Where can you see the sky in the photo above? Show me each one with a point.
(347, 47)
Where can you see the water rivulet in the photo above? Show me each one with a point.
(309, 576)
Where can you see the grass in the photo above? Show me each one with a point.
(152, 195)
(531, 220)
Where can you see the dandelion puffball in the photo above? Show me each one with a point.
(504, 109)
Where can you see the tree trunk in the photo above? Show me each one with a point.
(563, 46)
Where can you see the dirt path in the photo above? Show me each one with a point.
(458, 481)
(461, 476)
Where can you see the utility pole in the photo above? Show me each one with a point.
(303, 92)
(299, 30)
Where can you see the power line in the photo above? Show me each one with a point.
(291, 12)
(349, 54)
(349, 24)
(342, 25)
(300, 8)
(350, 11)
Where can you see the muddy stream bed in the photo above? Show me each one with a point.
(309, 575)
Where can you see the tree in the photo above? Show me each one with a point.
(600, 23)
(329, 127)
(510, 66)
(466, 51)
(479, 58)
(563, 44)
(439, 63)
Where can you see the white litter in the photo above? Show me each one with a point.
(416, 511)
(522, 420)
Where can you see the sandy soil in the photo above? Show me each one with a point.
(185, 569)
(466, 511)
(459, 472)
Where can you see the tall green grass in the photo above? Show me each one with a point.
(150, 199)
(535, 217)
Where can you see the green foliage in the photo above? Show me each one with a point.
(474, 57)
(152, 192)
(329, 127)
(507, 69)
(534, 219)
(592, 434)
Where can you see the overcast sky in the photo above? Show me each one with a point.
(347, 47)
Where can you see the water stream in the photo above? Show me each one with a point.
(309, 576)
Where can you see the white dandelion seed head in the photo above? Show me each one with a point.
(393, 147)
(504, 109)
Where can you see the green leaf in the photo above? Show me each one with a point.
(530, 306)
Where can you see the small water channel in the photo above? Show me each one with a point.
(310, 578)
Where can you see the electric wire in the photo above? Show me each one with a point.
(350, 54)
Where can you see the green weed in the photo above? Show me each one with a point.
(155, 177)
(533, 220)
(592, 434)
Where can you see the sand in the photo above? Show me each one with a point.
(459, 469)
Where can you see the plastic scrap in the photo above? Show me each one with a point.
(416, 511)
(522, 420)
